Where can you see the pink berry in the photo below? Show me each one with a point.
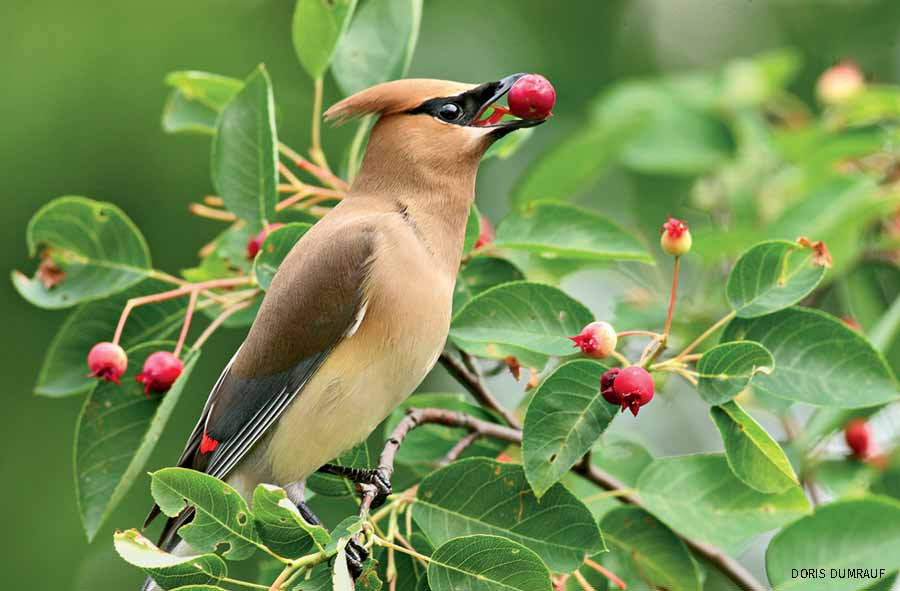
(597, 339)
(487, 234)
(531, 97)
(254, 244)
(107, 362)
(676, 237)
(160, 370)
(858, 436)
(606, 387)
(840, 83)
(635, 387)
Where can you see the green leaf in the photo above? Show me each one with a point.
(221, 516)
(116, 432)
(674, 137)
(851, 534)
(316, 29)
(473, 230)
(168, 570)
(818, 360)
(64, 370)
(486, 563)
(349, 526)
(698, 496)
(481, 274)
(274, 248)
(281, 527)
(564, 419)
(646, 554)
(379, 44)
(508, 145)
(478, 496)
(99, 250)
(245, 153)
(336, 486)
(560, 230)
(528, 320)
(196, 101)
(574, 164)
(772, 276)
(427, 444)
(752, 454)
(726, 369)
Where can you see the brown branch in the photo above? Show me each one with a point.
(472, 382)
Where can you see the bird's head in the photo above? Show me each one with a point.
(433, 122)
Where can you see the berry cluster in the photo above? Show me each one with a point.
(108, 361)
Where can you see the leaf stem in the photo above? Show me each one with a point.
(315, 149)
(582, 582)
(645, 333)
(606, 573)
(242, 583)
(385, 544)
(719, 324)
(211, 213)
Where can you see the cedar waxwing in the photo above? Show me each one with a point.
(359, 311)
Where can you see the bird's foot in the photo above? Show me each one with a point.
(375, 477)
(356, 555)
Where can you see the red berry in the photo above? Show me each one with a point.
(676, 237)
(107, 362)
(254, 244)
(606, 387)
(160, 370)
(840, 83)
(858, 436)
(635, 387)
(531, 97)
(487, 234)
(597, 339)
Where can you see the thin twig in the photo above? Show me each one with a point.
(211, 213)
(217, 322)
(460, 447)
(324, 176)
(606, 573)
(186, 325)
(582, 582)
(474, 385)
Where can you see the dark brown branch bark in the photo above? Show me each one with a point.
(473, 383)
(479, 428)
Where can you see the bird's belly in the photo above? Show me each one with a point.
(358, 386)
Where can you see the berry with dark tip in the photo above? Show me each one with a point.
(254, 244)
(858, 436)
(606, 387)
(676, 237)
(597, 339)
(531, 97)
(107, 361)
(635, 388)
(160, 371)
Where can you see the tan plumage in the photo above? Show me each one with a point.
(359, 310)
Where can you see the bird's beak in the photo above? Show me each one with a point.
(490, 115)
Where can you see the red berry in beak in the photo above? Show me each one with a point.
(676, 237)
(606, 387)
(858, 436)
(254, 244)
(107, 362)
(160, 370)
(531, 97)
(487, 234)
(635, 388)
(597, 339)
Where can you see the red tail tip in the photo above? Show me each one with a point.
(208, 444)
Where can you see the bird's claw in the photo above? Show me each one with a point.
(382, 483)
(356, 555)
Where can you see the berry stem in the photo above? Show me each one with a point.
(168, 295)
(318, 194)
(606, 573)
(644, 333)
(211, 213)
(665, 335)
(582, 582)
(186, 325)
(621, 358)
(719, 324)
(325, 176)
(217, 322)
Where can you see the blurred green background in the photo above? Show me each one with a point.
(81, 98)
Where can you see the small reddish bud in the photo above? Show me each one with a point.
(515, 368)
(487, 234)
(531, 97)
(858, 436)
(597, 339)
(635, 387)
(208, 444)
(254, 244)
(839, 83)
(676, 237)
(160, 370)
(504, 458)
(606, 387)
(107, 362)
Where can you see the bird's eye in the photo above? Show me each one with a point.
(450, 112)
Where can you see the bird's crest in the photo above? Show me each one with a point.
(393, 97)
